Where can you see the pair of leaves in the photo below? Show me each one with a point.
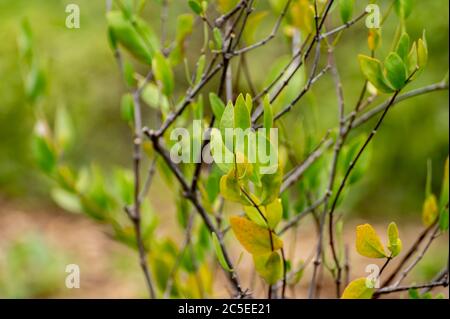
(397, 67)
(368, 242)
(393, 79)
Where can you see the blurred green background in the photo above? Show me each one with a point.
(83, 76)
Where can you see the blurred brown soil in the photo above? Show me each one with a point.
(110, 270)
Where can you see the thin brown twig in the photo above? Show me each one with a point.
(408, 269)
(272, 34)
(388, 290)
(337, 150)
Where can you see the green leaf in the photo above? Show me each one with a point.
(127, 108)
(64, 129)
(122, 31)
(219, 253)
(227, 119)
(217, 105)
(412, 59)
(403, 46)
(395, 70)
(346, 9)
(163, 73)
(35, 84)
(213, 183)
(218, 39)
(269, 267)
(413, 293)
(430, 210)
(254, 238)
(185, 24)
(373, 72)
(124, 185)
(147, 33)
(254, 215)
(42, 148)
(154, 98)
(200, 68)
(66, 200)
(422, 52)
(128, 74)
(241, 115)
(368, 243)
(253, 23)
(195, 6)
(249, 103)
(271, 184)
(274, 213)
(403, 8)
(394, 244)
(223, 157)
(358, 289)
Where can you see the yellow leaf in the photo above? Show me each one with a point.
(254, 238)
(230, 188)
(302, 13)
(368, 243)
(357, 289)
(430, 211)
(394, 244)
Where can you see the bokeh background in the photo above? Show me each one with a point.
(37, 239)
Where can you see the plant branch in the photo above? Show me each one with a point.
(388, 290)
(272, 34)
(418, 258)
(192, 197)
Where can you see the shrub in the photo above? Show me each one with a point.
(272, 199)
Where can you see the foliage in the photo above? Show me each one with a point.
(271, 196)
